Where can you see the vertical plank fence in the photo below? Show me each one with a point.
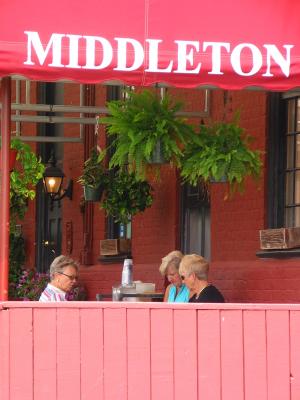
(149, 351)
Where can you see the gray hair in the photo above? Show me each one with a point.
(59, 263)
(193, 263)
(173, 258)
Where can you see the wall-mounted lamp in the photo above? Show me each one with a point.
(53, 180)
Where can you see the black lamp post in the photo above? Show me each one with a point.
(53, 180)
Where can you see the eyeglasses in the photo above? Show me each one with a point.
(71, 277)
(184, 277)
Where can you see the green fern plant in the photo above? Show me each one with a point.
(126, 196)
(221, 150)
(94, 172)
(23, 179)
(140, 123)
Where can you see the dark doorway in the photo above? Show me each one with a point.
(49, 214)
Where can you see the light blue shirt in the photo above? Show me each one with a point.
(182, 295)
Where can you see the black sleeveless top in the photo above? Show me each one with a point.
(210, 294)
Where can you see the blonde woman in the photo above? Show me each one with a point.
(194, 273)
(176, 290)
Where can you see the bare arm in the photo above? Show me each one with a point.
(166, 296)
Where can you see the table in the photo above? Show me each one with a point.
(157, 296)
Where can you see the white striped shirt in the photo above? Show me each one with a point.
(52, 293)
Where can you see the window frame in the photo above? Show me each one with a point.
(190, 201)
(276, 159)
(276, 167)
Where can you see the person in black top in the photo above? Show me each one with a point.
(194, 273)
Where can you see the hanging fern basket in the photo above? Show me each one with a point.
(146, 129)
(157, 156)
(93, 194)
(223, 179)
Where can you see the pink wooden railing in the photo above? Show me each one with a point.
(149, 351)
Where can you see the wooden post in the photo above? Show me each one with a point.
(5, 186)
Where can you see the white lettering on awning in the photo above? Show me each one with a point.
(216, 55)
(128, 54)
(105, 50)
(153, 57)
(284, 63)
(74, 51)
(256, 59)
(34, 41)
(138, 52)
(185, 56)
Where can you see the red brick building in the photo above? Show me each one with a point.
(231, 225)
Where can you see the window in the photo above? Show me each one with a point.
(276, 160)
(292, 168)
(195, 220)
(284, 160)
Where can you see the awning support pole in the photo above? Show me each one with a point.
(5, 186)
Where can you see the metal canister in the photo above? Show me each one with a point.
(127, 272)
(116, 293)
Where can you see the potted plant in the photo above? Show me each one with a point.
(143, 124)
(16, 260)
(221, 152)
(23, 178)
(126, 195)
(15, 145)
(30, 285)
(94, 178)
(12, 156)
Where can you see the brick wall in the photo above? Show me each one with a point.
(154, 234)
(258, 281)
(235, 222)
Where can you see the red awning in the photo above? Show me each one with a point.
(225, 43)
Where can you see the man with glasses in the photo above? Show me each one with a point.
(63, 277)
(194, 273)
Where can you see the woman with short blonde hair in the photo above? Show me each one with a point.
(194, 273)
(176, 291)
